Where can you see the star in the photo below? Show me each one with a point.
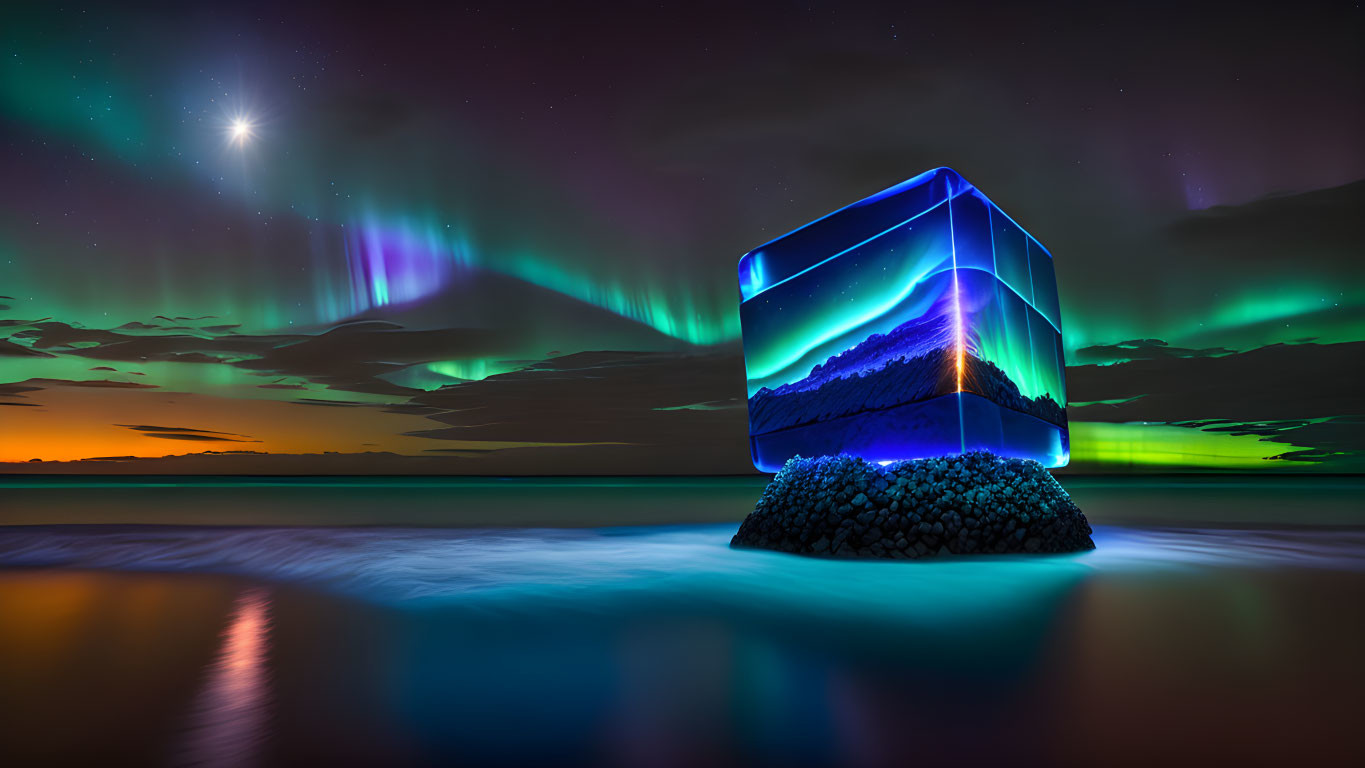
(240, 130)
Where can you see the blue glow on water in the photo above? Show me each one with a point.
(591, 568)
(619, 645)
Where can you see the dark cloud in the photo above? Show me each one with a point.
(1337, 443)
(1279, 382)
(350, 356)
(353, 355)
(1303, 395)
(1142, 349)
(502, 313)
(17, 390)
(195, 437)
(10, 349)
(102, 384)
(605, 397)
(1311, 225)
(148, 428)
(188, 434)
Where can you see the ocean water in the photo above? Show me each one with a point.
(660, 645)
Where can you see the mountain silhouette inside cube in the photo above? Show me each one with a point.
(921, 321)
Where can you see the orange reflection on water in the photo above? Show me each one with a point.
(230, 716)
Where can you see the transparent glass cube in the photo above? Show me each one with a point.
(921, 321)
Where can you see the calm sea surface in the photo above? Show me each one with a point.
(409, 622)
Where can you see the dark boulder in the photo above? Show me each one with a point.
(974, 503)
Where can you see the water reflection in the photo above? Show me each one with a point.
(611, 645)
(662, 646)
(230, 716)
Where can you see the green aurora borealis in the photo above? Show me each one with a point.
(149, 265)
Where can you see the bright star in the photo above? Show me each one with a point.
(240, 130)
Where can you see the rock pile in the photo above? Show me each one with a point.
(977, 503)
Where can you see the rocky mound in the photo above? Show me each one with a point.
(977, 503)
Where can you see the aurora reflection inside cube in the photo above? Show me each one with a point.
(921, 321)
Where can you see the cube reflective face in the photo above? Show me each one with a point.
(921, 321)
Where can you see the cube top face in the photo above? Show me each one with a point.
(921, 321)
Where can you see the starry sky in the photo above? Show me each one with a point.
(502, 239)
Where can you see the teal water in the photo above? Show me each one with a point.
(1181, 500)
(658, 644)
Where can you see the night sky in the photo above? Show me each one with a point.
(503, 239)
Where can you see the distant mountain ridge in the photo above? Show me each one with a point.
(914, 338)
(878, 373)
